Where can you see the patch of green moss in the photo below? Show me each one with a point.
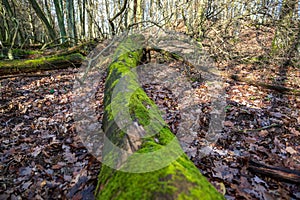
(145, 112)
(21, 52)
(39, 61)
(178, 178)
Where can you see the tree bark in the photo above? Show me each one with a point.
(60, 19)
(71, 19)
(11, 17)
(133, 176)
(42, 16)
(284, 36)
(48, 12)
(82, 11)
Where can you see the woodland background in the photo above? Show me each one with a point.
(219, 23)
(255, 45)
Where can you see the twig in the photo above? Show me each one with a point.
(111, 23)
(152, 22)
(56, 39)
(259, 129)
(142, 22)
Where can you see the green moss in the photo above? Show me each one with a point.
(178, 178)
(39, 61)
(145, 112)
(36, 62)
(21, 52)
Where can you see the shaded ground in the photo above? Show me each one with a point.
(260, 125)
(42, 157)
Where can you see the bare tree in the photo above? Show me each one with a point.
(43, 18)
(60, 18)
(82, 14)
(71, 20)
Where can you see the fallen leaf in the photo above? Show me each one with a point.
(228, 123)
(25, 171)
(26, 185)
(220, 187)
(17, 127)
(258, 180)
(263, 133)
(294, 131)
(290, 150)
(57, 166)
(36, 151)
(276, 114)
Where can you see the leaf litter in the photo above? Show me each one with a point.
(42, 157)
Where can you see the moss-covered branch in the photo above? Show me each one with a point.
(44, 63)
(142, 157)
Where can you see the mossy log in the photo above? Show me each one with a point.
(44, 63)
(155, 166)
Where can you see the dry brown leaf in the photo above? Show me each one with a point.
(294, 131)
(228, 123)
(263, 133)
(290, 150)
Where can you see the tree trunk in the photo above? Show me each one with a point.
(3, 25)
(60, 19)
(284, 35)
(71, 20)
(42, 16)
(153, 166)
(48, 12)
(91, 16)
(81, 10)
(11, 17)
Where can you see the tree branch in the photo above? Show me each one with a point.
(117, 15)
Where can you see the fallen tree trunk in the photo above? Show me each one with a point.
(278, 88)
(82, 48)
(45, 63)
(278, 173)
(142, 158)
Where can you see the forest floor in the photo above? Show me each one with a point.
(42, 156)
